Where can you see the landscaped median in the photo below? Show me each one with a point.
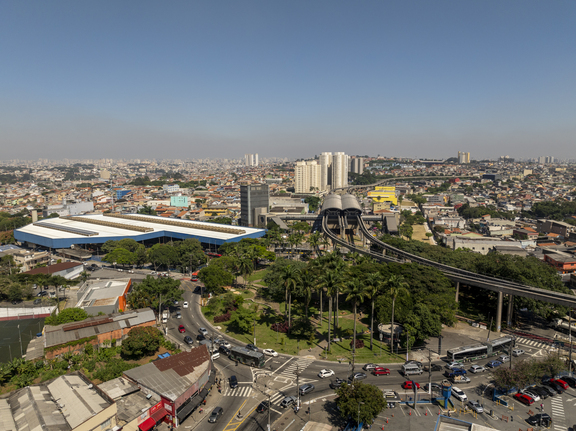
(252, 322)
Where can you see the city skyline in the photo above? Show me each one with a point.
(190, 80)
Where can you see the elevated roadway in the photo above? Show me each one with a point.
(457, 275)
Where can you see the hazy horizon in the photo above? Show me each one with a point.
(189, 80)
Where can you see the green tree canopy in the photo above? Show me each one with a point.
(215, 278)
(360, 401)
(121, 256)
(141, 341)
(148, 292)
(66, 316)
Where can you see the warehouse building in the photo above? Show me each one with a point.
(82, 231)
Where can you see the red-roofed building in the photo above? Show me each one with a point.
(68, 270)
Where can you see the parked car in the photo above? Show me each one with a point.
(233, 382)
(252, 347)
(561, 383)
(476, 406)
(369, 367)
(357, 376)
(262, 407)
(336, 383)
(493, 364)
(517, 352)
(189, 340)
(540, 419)
(434, 367)
(306, 388)
(216, 413)
(550, 391)
(288, 401)
(542, 393)
(477, 369)
(409, 384)
(270, 352)
(570, 380)
(181, 329)
(38, 301)
(203, 331)
(531, 393)
(325, 373)
(381, 371)
(42, 293)
(553, 388)
(524, 399)
(459, 394)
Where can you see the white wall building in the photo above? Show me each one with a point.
(307, 176)
(325, 170)
(339, 171)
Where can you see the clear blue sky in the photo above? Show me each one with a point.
(195, 79)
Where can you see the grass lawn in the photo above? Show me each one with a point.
(266, 338)
(258, 275)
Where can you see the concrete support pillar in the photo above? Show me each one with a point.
(510, 310)
(457, 291)
(499, 312)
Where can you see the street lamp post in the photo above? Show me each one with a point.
(358, 419)
(380, 343)
(297, 372)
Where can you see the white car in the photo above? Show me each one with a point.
(270, 352)
(226, 344)
(532, 394)
(453, 365)
(517, 352)
(325, 373)
(185, 305)
(203, 331)
(477, 369)
(459, 394)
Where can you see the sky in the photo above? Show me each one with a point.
(219, 79)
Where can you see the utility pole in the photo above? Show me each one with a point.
(510, 354)
(297, 372)
(570, 339)
(20, 337)
(430, 372)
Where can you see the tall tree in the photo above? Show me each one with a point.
(307, 282)
(373, 285)
(290, 276)
(355, 294)
(396, 286)
(332, 281)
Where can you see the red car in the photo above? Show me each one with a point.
(561, 383)
(181, 329)
(524, 399)
(408, 385)
(380, 371)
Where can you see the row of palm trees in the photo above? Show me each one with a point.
(329, 276)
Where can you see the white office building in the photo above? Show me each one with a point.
(307, 176)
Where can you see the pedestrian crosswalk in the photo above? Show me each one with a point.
(295, 366)
(532, 343)
(277, 399)
(240, 391)
(558, 418)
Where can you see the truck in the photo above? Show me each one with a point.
(459, 378)
(165, 315)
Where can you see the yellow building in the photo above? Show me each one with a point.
(384, 194)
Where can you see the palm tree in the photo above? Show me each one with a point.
(245, 267)
(290, 275)
(373, 288)
(307, 286)
(355, 294)
(331, 280)
(314, 241)
(396, 286)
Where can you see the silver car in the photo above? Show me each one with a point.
(476, 406)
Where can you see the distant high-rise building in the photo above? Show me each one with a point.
(463, 157)
(307, 176)
(325, 170)
(357, 165)
(545, 159)
(339, 171)
(251, 159)
(254, 200)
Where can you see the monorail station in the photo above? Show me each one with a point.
(86, 231)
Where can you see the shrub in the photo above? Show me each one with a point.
(222, 318)
(359, 344)
(280, 327)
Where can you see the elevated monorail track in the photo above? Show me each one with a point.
(457, 275)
